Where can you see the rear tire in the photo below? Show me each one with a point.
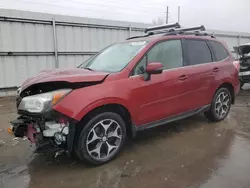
(220, 106)
(102, 138)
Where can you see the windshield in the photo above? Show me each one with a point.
(114, 58)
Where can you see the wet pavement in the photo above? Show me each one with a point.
(191, 153)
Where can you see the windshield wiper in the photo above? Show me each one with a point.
(87, 68)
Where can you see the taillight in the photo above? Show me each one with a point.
(237, 65)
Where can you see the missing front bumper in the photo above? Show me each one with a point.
(45, 135)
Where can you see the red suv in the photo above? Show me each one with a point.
(143, 82)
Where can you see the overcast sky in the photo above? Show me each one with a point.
(229, 15)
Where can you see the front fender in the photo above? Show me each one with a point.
(102, 102)
(78, 103)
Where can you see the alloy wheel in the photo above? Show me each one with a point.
(222, 104)
(104, 139)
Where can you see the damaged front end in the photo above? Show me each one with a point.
(49, 130)
(47, 135)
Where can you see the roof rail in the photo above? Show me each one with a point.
(135, 37)
(197, 33)
(179, 30)
(160, 27)
(174, 29)
(190, 31)
(200, 28)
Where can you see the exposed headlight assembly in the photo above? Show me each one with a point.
(42, 102)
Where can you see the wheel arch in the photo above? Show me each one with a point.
(110, 107)
(230, 87)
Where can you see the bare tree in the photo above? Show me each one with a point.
(158, 21)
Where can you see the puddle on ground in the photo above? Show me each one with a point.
(233, 169)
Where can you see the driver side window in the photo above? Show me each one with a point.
(169, 53)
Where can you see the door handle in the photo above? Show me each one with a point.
(183, 77)
(216, 69)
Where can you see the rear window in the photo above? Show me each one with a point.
(198, 52)
(219, 50)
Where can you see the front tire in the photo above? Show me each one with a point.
(102, 138)
(220, 106)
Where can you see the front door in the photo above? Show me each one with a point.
(164, 95)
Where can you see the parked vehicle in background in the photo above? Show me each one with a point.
(244, 52)
(143, 82)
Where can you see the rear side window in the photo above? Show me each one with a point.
(219, 50)
(198, 52)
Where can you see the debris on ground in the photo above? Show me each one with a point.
(124, 175)
(15, 142)
(136, 171)
(2, 143)
(1, 130)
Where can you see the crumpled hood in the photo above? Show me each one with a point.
(67, 75)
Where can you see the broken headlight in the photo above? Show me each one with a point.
(42, 102)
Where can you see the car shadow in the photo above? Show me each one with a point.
(169, 129)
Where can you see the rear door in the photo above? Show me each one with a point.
(222, 66)
(199, 71)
